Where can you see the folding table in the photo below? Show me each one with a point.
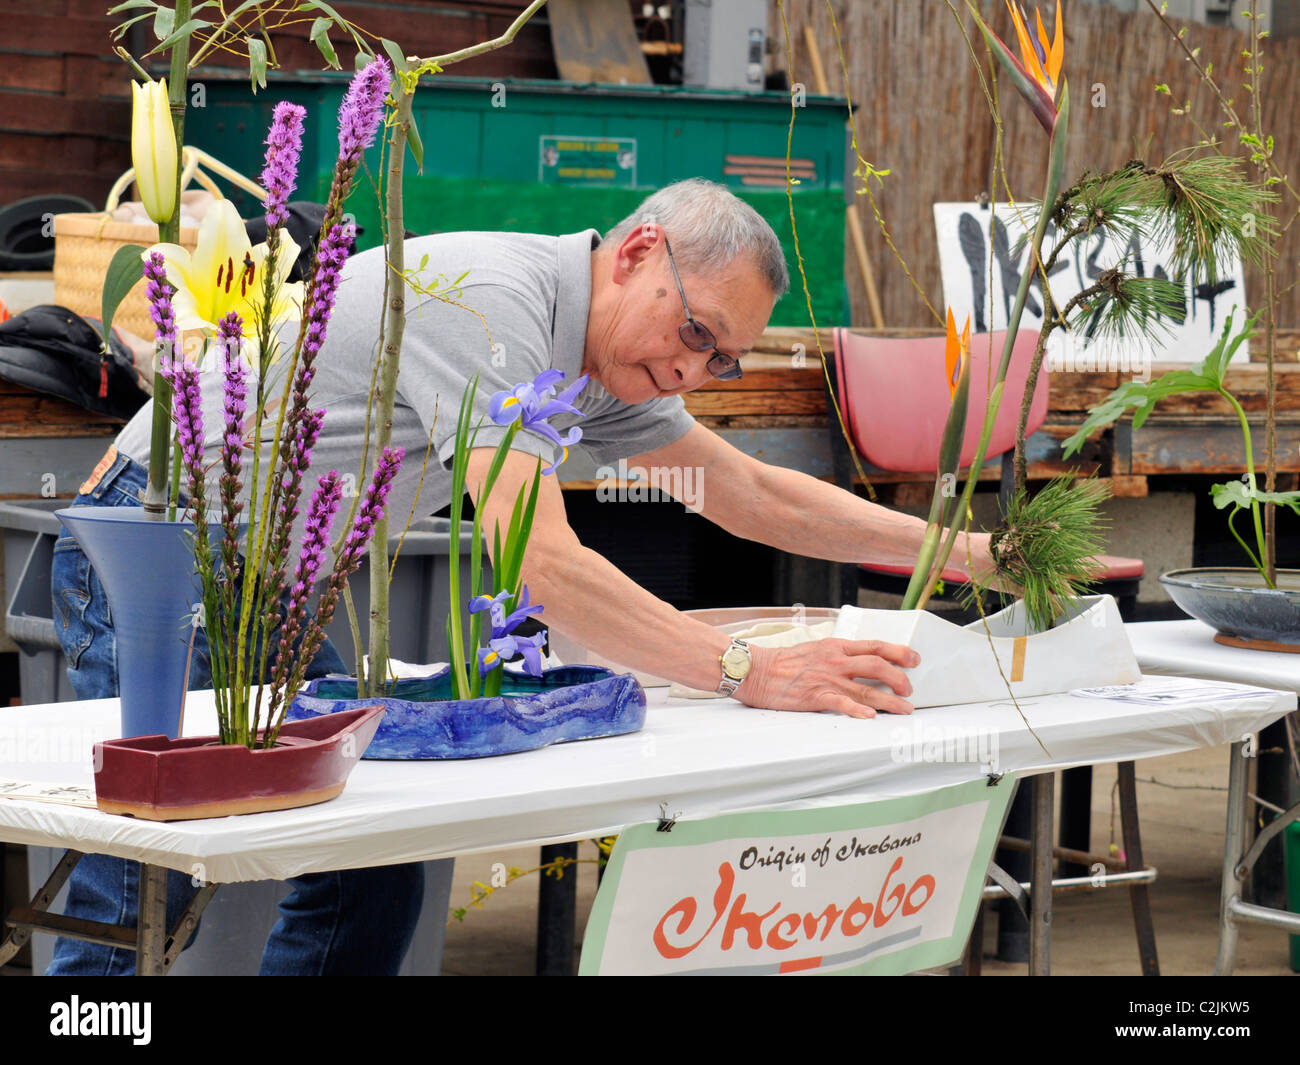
(700, 758)
(1188, 649)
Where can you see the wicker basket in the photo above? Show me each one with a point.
(84, 245)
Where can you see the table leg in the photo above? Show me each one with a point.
(151, 930)
(1040, 900)
(1128, 812)
(557, 914)
(1233, 845)
(33, 914)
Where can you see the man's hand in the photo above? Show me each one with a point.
(819, 675)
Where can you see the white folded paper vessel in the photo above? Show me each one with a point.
(1087, 648)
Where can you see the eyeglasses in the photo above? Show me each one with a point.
(698, 338)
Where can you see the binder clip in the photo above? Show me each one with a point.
(665, 822)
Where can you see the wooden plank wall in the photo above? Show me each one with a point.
(65, 104)
(922, 114)
(65, 107)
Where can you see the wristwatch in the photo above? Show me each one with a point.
(736, 662)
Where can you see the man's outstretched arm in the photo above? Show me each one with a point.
(792, 511)
(593, 602)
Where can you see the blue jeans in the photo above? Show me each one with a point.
(357, 922)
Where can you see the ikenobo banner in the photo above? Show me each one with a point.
(886, 887)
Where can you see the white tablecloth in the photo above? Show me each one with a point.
(1187, 649)
(700, 759)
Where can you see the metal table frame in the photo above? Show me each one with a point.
(156, 946)
(1237, 864)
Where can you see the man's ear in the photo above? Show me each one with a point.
(635, 248)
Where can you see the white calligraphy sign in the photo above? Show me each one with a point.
(968, 240)
(887, 887)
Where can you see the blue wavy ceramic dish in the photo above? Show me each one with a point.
(423, 721)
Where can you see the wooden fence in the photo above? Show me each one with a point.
(920, 113)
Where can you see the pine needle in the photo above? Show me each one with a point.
(1048, 544)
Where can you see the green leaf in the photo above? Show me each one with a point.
(1216, 362)
(394, 53)
(339, 20)
(320, 36)
(1162, 87)
(1141, 397)
(119, 31)
(1239, 494)
(182, 34)
(1234, 494)
(256, 63)
(163, 22)
(125, 271)
(130, 5)
(416, 145)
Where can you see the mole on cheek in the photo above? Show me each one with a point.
(661, 293)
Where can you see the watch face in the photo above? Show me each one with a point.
(735, 663)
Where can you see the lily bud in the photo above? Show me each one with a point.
(153, 149)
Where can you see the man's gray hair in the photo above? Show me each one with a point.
(709, 227)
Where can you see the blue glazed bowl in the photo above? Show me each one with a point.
(1236, 602)
(423, 721)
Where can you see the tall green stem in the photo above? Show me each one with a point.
(394, 327)
(1055, 169)
(1260, 538)
(169, 232)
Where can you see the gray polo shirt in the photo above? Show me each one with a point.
(533, 294)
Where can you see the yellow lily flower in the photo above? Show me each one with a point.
(226, 273)
(153, 149)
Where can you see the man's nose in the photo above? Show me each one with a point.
(689, 370)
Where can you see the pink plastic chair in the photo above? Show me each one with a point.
(894, 396)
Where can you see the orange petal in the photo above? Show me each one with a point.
(953, 352)
(1056, 56)
(1028, 53)
(1043, 43)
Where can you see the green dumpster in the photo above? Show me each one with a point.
(554, 156)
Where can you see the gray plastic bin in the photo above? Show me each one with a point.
(237, 921)
(30, 530)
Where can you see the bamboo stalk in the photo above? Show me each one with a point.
(169, 232)
(394, 328)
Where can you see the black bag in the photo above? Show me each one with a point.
(52, 350)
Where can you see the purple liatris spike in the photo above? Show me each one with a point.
(372, 506)
(315, 541)
(187, 405)
(329, 266)
(229, 334)
(280, 171)
(158, 291)
(320, 520)
(362, 110)
(354, 546)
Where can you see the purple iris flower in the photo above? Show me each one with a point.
(531, 404)
(493, 603)
(503, 645)
(498, 650)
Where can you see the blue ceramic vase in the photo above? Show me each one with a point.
(423, 721)
(147, 569)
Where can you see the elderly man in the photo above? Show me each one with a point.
(674, 294)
